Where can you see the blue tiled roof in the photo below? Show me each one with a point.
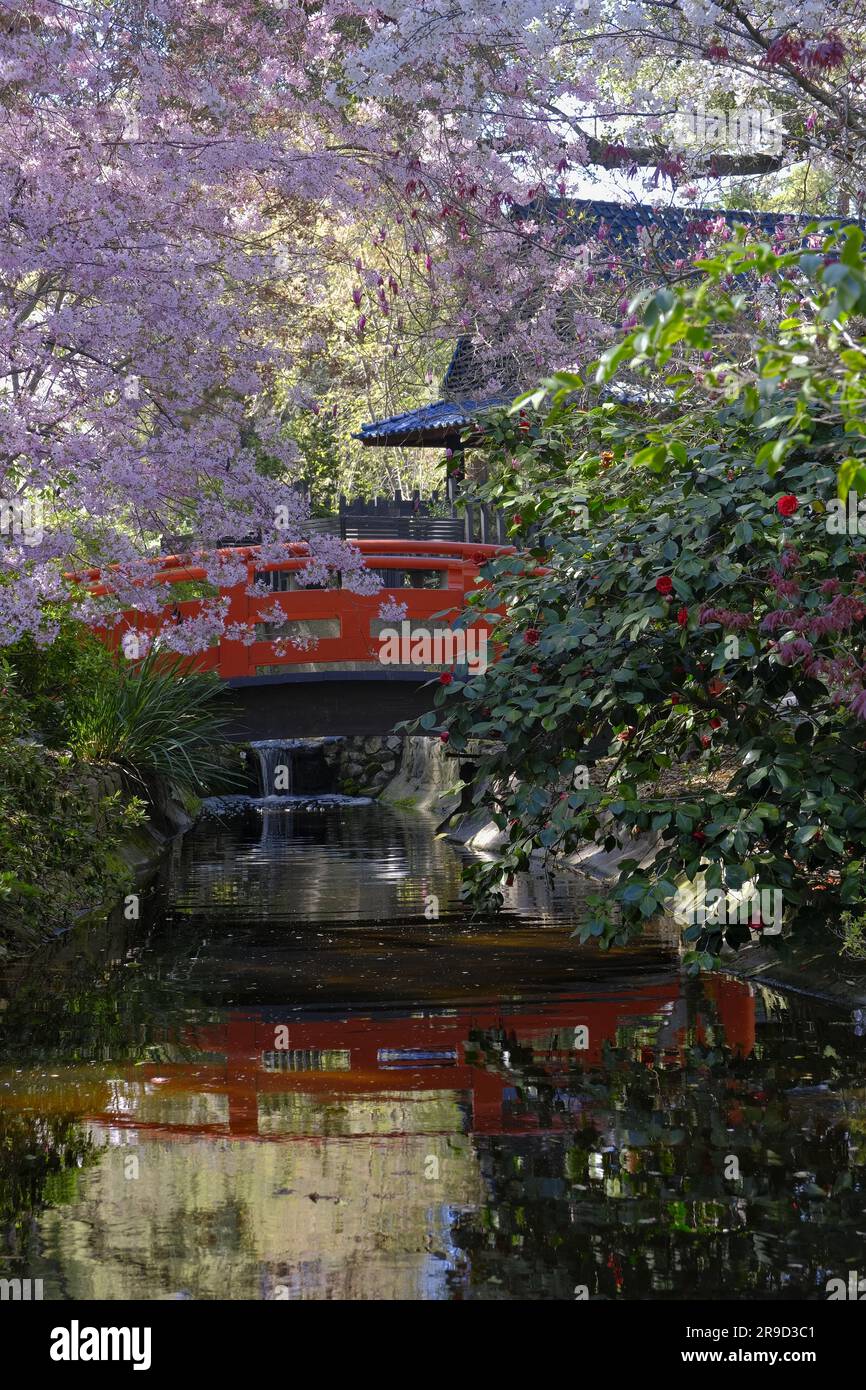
(677, 228)
(447, 417)
(676, 231)
(440, 420)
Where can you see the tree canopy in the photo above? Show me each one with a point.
(218, 214)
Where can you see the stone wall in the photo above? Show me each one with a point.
(428, 777)
(363, 765)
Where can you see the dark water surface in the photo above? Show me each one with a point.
(287, 1081)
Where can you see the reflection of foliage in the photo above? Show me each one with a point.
(104, 1006)
(611, 1174)
(41, 1157)
(625, 1190)
(857, 1126)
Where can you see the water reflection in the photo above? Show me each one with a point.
(339, 1098)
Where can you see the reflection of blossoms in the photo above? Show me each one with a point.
(391, 610)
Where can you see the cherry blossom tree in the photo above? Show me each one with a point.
(181, 179)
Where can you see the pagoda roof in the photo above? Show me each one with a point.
(624, 227)
(434, 424)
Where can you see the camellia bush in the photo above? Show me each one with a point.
(680, 661)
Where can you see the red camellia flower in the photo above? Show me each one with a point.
(715, 686)
(787, 505)
(534, 669)
(446, 678)
(517, 519)
(531, 636)
(682, 616)
(705, 740)
(444, 736)
(664, 584)
(715, 723)
(627, 734)
(699, 836)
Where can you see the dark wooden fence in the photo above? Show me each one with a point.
(389, 518)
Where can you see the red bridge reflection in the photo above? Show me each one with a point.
(467, 1050)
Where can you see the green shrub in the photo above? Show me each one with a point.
(50, 684)
(692, 624)
(58, 842)
(157, 718)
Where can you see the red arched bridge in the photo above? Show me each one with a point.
(348, 1056)
(324, 642)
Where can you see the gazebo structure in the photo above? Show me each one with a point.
(634, 232)
(443, 424)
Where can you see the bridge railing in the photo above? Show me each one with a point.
(309, 628)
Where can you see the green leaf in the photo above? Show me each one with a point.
(851, 477)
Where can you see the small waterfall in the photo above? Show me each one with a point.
(294, 767)
(294, 773)
(275, 766)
